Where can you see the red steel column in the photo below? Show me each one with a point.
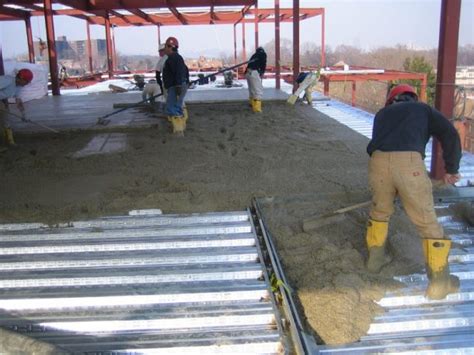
(89, 47)
(256, 26)
(353, 101)
(29, 38)
(50, 37)
(326, 87)
(114, 56)
(235, 45)
(159, 35)
(323, 40)
(277, 45)
(244, 52)
(108, 40)
(296, 42)
(2, 70)
(447, 59)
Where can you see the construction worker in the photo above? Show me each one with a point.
(175, 81)
(254, 75)
(159, 66)
(9, 88)
(309, 83)
(397, 149)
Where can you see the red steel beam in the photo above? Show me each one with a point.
(244, 52)
(108, 40)
(14, 13)
(29, 39)
(235, 48)
(323, 40)
(89, 47)
(447, 60)
(277, 45)
(296, 42)
(51, 39)
(176, 13)
(144, 16)
(256, 26)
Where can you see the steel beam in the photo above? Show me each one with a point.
(89, 47)
(2, 69)
(144, 16)
(277, 45)
(256, 26)
(447, 58)
(51, 39)
(235, 48)
(296, 42)
(323, 40)
(176, 13)
(29, 38)
(108, 39)
(244, 52)
(158, 28)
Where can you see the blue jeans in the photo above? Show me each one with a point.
(174, 103)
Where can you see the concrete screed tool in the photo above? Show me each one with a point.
(315, 222)
(104, 121)
(24, 119)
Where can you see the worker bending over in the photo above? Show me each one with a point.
(175, 80)
(9, 88)
(397, 149)
(254, 75)
(308, 80)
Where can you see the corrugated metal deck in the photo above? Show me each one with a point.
(144, 283)
(362, 121)
(415, 324)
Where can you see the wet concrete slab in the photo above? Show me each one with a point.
(81, 112)
(105, 143)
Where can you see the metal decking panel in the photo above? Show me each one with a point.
(136, 284)
(412, 323)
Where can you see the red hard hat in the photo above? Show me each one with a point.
(25, 74)
(172, 42)
(398, 90)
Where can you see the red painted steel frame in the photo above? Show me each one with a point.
(296, 42)
(89, 47)
(29, 39)
(447, 58)
(277, 45)
(53, 59)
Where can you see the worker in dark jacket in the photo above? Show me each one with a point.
(175, 81)
(254, 75)
(400, 133)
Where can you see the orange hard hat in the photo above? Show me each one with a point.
(172, 42)
(398, 90)
(25, 74)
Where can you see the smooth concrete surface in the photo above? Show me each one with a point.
(71, 112)
(103, 144)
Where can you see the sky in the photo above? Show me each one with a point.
(366, 24)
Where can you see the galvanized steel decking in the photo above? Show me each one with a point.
(154, 283)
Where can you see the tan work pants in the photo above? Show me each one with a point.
(255, 85)
(403, 174)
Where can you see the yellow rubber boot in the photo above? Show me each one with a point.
(9, 136)
(185, 114)
(179, 125)
(257, 106)
(441, 283)
(251, 103)
(376, 239)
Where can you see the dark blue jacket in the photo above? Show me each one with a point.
(407, 127)
(175, 72)
(260, 63)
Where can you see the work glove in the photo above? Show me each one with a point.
(179, 90)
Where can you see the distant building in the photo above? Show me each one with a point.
(71, 50)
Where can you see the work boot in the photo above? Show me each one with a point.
(185, 114)
(376, 239)
(251, 103)
(8, 136)
(441, 283)
(257, 106)
(179, 125)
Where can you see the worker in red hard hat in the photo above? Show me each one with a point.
(9, 89)
(400, 133)
(175, 81)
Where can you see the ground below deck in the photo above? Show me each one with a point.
(227, 156)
